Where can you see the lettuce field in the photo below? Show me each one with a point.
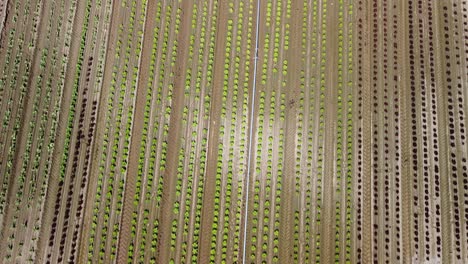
(233, 131)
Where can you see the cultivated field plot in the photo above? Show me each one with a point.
(233, 131)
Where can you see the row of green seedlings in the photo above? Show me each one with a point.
(320, 162)
(120, 146)
(12, 83)
(245, 108)
(35, 112)
(348, 179)
(150, 167)
(344, 143)
(18, 66)
(279, 42)
(54, 107)
(68, 135)
(102, 22)
(110, 182)
(282, 17)
(41, 133)
(79, 141)
(19, 18)
(75, 162)
(236, 166)
(146, 166)
(206, 109)
(310, 34)
(192, 179)
(303, 152)
(320, 140)
(51, 103)
(266, 243)
(28, 152)
(228, 166)
(268, 181)
(69, 129)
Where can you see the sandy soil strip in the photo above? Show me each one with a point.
(168, 195)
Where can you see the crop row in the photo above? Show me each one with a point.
(13, 92)
(454, 80)
(232, 148)
(117, 135)
(269, 148)
(40, 131)
(269, 162)
(187, 208)
(69, 166)
(305, 132)
(153, 148)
